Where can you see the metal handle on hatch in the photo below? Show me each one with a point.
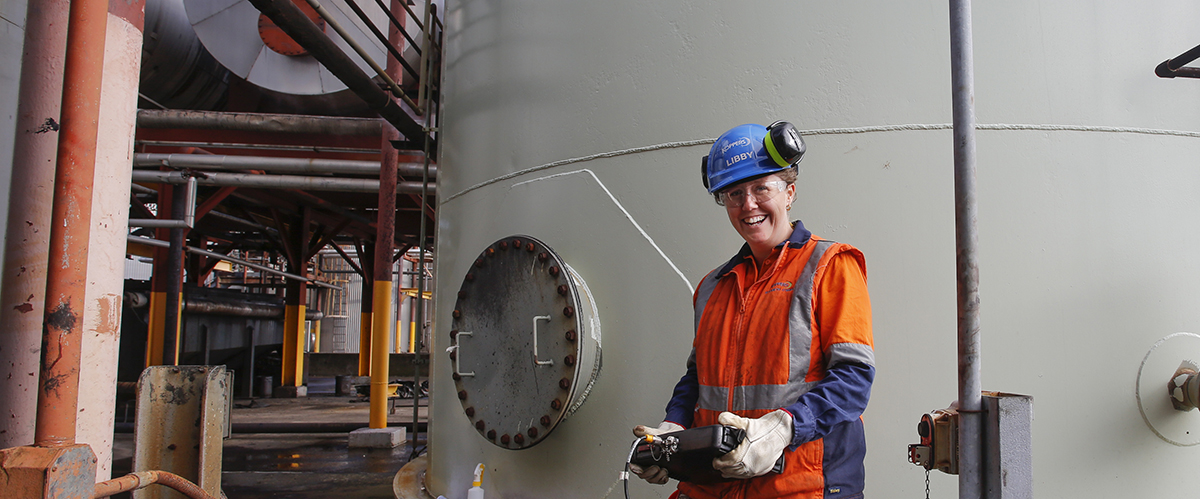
(458, 357)
(537, 318)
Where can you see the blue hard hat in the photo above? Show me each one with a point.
(740, 154)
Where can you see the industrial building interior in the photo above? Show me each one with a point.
(280, 233)
(246, 240)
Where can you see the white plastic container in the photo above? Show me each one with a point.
(476, 491)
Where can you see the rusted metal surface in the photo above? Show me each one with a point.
(66, 275)
(40, 473)
(382, 313)
(182, 412)
(258, 122)
(142, 479)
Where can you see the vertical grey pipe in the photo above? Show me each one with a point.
(970, 437)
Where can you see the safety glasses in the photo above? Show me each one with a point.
(761, 191)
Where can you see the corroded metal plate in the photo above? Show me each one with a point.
(525, 342)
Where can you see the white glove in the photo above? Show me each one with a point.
(766, 438)
(652, 474)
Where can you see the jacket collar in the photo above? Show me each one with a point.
(799, 237)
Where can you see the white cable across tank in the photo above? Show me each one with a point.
(628, 216)
(836, 131)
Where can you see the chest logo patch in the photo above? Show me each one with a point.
(780, 286)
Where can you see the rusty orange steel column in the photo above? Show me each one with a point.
(66, 276)
(383, 317)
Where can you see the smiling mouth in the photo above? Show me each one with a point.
(754, 220)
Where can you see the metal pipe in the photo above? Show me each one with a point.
(297, 25)
(243, 145)
(66, 275)
(1173, 67)
(306, 183)
(396, 23)
(314, 427)
(420, 319)
(173, 273)
(970, 399)
(379, 71)
(258, 122)
(268, 163)
(242, 309)
(189, 213)
(163, 244)
(382, 38)
(247, 223)
(142, 479)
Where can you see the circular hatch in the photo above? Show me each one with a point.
(525, 342)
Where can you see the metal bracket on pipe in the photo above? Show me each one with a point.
(189, 216)
(1171, 68)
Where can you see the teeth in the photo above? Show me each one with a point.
(755, 220)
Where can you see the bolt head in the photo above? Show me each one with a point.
(504, 439)
(479, 425)
(543, 256)
(519, 438)
(569, 311)
(516, 243)
(572, 336)
(564, 383)
(533, 433)
(462, 395)
(470, 277)
(491, 252)
(556, 404)
(478, 262)
(470, 412)
(529, 247)
(457, 314)
(504, 245)
(453, 355)
(569, 361)
(563, 289)
(491, 434)
(554, 271)
(546, 421)
(462, 293)
(456, 377)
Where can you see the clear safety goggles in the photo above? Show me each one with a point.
(762, 191)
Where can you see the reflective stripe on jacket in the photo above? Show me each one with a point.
(797, 337)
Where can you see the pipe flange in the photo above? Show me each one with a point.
(1155, 394)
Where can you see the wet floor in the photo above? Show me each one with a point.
(301, 466)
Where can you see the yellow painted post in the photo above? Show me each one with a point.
(293, 335)
(155, 328)
(379, 354)
(364, 327)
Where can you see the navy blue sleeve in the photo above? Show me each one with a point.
(840, 397)
(682, 408)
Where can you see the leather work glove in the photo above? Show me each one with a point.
(653, 474)
(766, 438)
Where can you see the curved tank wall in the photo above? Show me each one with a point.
(581, 124)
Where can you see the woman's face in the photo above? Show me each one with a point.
(758, 210)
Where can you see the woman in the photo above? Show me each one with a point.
(783, 346)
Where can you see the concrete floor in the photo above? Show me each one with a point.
(302, 466)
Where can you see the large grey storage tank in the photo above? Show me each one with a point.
(582, 123)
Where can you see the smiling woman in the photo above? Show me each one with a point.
(753, 365)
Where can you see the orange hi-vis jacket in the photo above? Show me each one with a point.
(795, 335)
